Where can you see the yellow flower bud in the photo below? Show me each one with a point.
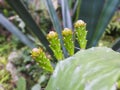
(52, 35)
(36, 52)
(79, 23)
(66, 32)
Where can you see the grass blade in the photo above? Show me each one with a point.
(106, 14)
(75, 6)
(56, 22)
(67, 23)
(70, 3)
(19, 7)
(90, 11)
(15, 31)
(76, 10)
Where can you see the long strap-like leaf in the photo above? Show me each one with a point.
(56, 22)
(67, 23)
(14, 30)
(106, 14)
(90, 10)
(18, 6)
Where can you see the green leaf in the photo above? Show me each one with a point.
(97, 68)
(70, 3)
(67, 23)
(19, 7)
(90, 11)
(76, 10)
(36, 87)
(15, 31)
(21, 84)
(105, 16)
(56, 23)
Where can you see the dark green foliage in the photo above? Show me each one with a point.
(14, 30)
(19, 7)
(97, 15)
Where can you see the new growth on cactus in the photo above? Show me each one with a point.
(55, 46)
(39, 56)
(80, 31)
(68, 40)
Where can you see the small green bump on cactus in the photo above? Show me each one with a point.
(68, 40)
(39, 56)
(80, 31)
(55, 46)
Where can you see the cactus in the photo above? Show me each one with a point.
(54, 41)
(80, 31)
(39, 56)
(68, 40)
(92, 69)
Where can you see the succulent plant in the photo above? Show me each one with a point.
(80, 31)
(39, 56)
(54, 41)
(68, 40)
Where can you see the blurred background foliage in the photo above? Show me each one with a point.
(25, 23)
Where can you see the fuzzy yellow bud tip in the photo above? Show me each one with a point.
(52, 34)
(79, 23)
(36, 52)
(66, 32)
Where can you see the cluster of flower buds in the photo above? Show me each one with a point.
(80, 31)
(68, 40)
(39, 56)
(55, 45)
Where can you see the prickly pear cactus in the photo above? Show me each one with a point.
(93, 69)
